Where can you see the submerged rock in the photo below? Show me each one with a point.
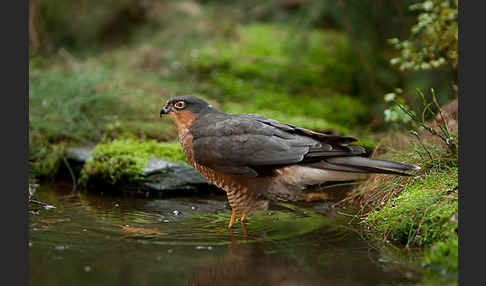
(160, 175)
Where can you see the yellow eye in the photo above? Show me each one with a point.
(179, 105)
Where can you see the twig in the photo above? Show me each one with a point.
(39, 203)
(73, 178)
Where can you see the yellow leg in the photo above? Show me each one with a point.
(243, 217)
(232, 220)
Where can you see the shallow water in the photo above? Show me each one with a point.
(93, 239)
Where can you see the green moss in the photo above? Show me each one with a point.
(420, 214)
(331, 109)
(277, 53)
(124, 160)
(44, 158)
(268, 70)
(441, 261)
(303, 120)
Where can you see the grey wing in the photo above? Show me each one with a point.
(242, 154)
(328, 138)
(246, 144)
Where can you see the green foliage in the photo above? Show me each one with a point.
(338, 113)
(124, 160)
(420, 214)
(81, 102)
(86, 23)
(400, 112)
(441, 260)
(44, 158)
(433, 43)
(441, 131)
(434, 39)
(394, 113)
(300, 59)
(64, 107)
(74, 106)
(265, 71)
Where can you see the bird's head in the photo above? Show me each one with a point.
(183, 110)
(185, 104)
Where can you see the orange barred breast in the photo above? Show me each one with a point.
(240, 196)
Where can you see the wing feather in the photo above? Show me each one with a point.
(242, 144)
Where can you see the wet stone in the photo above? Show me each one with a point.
(172, 176)
(162, 176)
(155, 166)
(79, 154)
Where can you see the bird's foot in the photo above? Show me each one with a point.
(243, 218)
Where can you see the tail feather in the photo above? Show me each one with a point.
(292, 180)
(360, 164)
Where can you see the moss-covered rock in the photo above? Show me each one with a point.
(124, 160)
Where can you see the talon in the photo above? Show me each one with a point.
(243, 218)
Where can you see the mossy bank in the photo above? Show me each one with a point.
(123, 161)
(417, 213)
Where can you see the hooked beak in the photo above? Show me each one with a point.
(165, 110)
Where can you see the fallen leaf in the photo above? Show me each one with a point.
(54, 220)
(43, 228)
(311, 197)
(132, 231)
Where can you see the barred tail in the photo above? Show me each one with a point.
(358, 164)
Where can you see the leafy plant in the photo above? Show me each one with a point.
(394, 113)
(434, 39)
(401, 113)
(441, 129)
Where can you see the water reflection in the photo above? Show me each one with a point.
(303, 261)
(251, 264)
(102, 240)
